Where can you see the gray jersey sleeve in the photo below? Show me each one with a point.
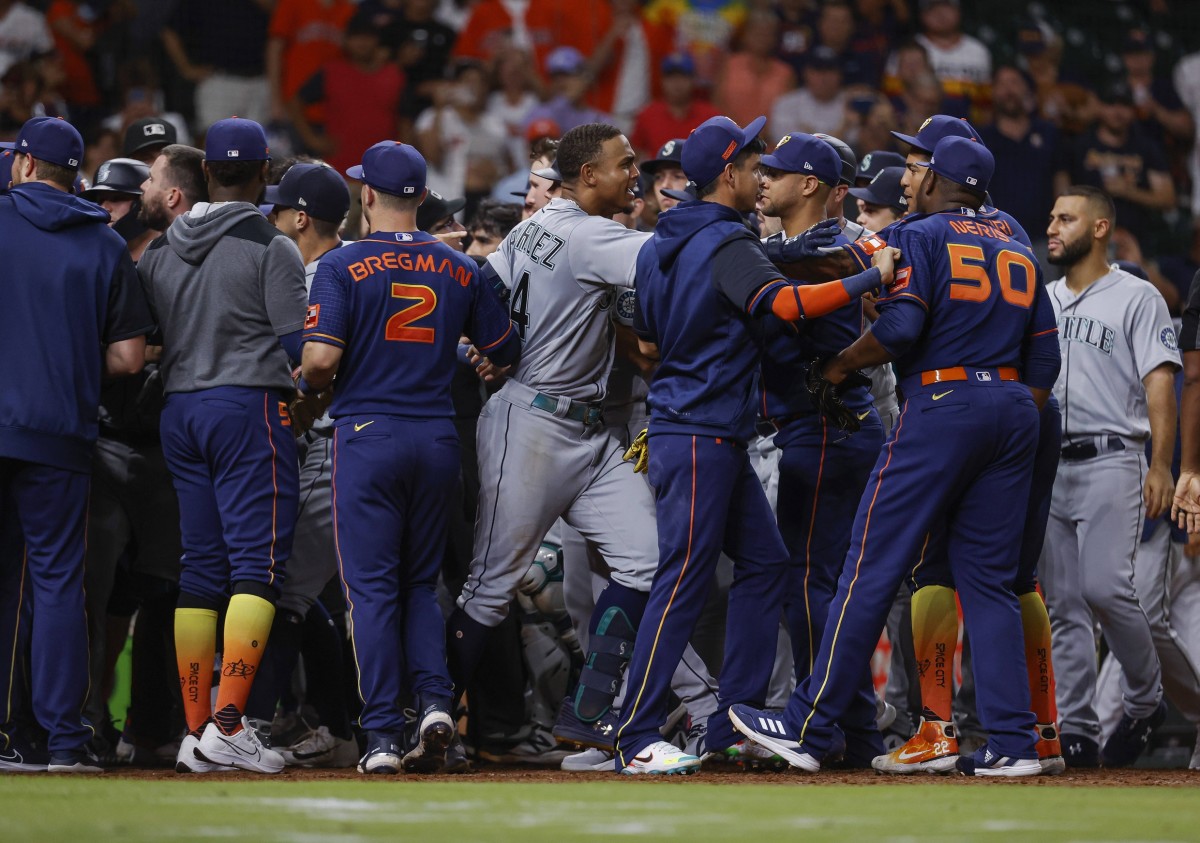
(1151, 333)
(284, 294)
(605, 252)
(501, 261)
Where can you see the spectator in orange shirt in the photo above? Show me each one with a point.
(753, 78)
(74, 35)
(676, 113)
(304, 35)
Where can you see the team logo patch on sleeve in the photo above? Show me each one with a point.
(625, 303)
(1167, 337)
(901, 279)
(312, 316)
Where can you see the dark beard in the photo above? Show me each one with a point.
(1072, 253)
(153, 218)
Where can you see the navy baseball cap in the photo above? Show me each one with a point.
(236, 138)
(316, 189)
(884, 190)
(934, 129)
(875, 162)
(800, 152)
(670, 154)
(392, 167)
(51, 139)
(715, 143)
(679, 63)
(844, 152)
(964, 161)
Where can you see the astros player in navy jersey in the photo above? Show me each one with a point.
(385, 315)
(965, 320)
(823, 470)
(701, 281)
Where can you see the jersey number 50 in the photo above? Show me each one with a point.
(399, 325)
(971, 282)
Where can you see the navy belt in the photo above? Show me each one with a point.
(588, 414)
(1092, 447)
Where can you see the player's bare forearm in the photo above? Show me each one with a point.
(649, 350)
(1040, 397)
(1189, 413)
(319, 364)
(836, 264)
(864, 353)
(126, 357)
(1160, 406)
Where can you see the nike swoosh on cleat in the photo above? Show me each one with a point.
(255, 755)
(645, 759)
(905, 755)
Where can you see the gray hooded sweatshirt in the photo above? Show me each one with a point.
(224, 285)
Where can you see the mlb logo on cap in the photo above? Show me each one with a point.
(966, 162)
(236, 137)
(51, 139)
(392, 167)
(154, 129)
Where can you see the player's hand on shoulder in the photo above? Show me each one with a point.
(1185, 507)
(885, 261)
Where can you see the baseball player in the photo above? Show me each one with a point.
(228, 291)
(118, 190)
(702, 280)
(72, 317)
(666, 173)
(964, 401)
(822, 470)
(386, 315)
(1116, 388)
(145, 139)
(881, 201)
(309, 204)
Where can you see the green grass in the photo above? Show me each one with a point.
(79, 810)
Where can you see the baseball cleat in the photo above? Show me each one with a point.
(78, 761)
(987, 763)
(1079, 751)
(434, 735)
(20, 757)
(933, 749)
(456, 758)
(662, 759)
(538, 750)
(186, 760)
(885, 714)
(767, 729)
(319, 748)
(589, 761)
(1129, 739)
(750, 757)
(383, 755)
(243, 749)
(1049, 750)
(569, 729)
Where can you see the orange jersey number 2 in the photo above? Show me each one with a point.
(399, 325)
(971, 280)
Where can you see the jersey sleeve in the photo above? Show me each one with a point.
(1041, 357)
(489, 326)
(742, 273)
(1151, 333)
(284, 293)
(499, 264)
(904, 305)
(1189, 334)
(328, 316)
(128, 313)
(605, 252)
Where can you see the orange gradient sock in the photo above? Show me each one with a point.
(935, 634)
(247, 625)
(1036, 623)
(195, 649)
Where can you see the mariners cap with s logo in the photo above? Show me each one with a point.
(317, 189)
(964, 161)
(669, 155)
(934, 129)
(715, 143)
(392, 167)
(806, 154)
(236, 139)
(51, 139)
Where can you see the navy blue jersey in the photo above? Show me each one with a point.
(398, 303)
(788, 350)
(964, 294)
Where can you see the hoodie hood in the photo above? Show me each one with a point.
(53, 210)
(677, 227)
(193, 235)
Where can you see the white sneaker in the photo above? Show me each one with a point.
(319, 748)
(434, 735)
(383, 755)
(662, 759)
(186, 760)
(589, 761)
(885, 714)
(243, 750)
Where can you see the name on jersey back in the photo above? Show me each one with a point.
(409, 263)
(539, 244)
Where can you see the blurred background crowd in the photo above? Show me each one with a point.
(1103, 92)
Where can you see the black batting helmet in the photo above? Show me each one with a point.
(118, 175)
(849, 159)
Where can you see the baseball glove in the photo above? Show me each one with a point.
(639, 453)
(828, 396)
(306, 409)
(808, 244)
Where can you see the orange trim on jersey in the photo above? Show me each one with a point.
(762, 291)
(274, 486)
(812, 521)
(920, 560)
(400, 242)
(902, 295)
(319, 337)
(1053, 330)
(490, 346)
(337, 551)
(857, 257)
(658, 632)
(862, 551)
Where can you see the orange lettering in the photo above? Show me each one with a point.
(424, 263)
(357, 271)
(389, 260)
(399, 325)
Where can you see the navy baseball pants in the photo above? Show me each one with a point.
(233, 462)
(708, 499)
(393, 486)
(965, 458)
(42, 606)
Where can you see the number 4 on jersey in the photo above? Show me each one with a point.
(519, 304)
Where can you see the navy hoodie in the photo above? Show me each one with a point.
(69, 288)
(697, 278)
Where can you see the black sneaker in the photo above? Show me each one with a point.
(1079, 751)
(569, 729)
(435, 731)
(1129, 739)
(23, 757)
(456, 758)
(78, 761)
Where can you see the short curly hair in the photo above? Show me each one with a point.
(582, 145)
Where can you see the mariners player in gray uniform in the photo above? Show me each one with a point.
(543, 452)
(1116, 388)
